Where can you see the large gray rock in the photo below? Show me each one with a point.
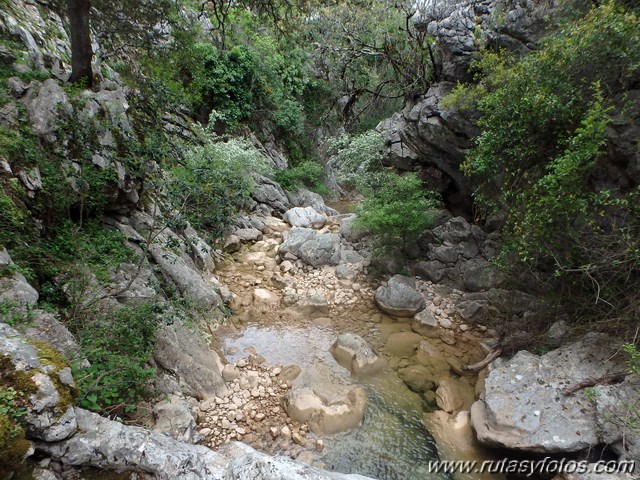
(316, 249)
(49, 414)
(134, 283)
(480, 275)
(327, 408)
(432, 136)
(196, 368)
(425, 324)
(454, 231)
(258, 466)
(306, 198)
(523, 406)
(349, 231)
(305, 217)
(45, 108)
(173, 416)
(432, 270)
(45, 327)
(270, 193)
(352, 352)
(615, 413)
(399, 297)
(14, 287)
(177, 266)
(462, 27)
(110, 445)
(309, 308)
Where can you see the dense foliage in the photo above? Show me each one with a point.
(396, 208)
(545, 120)
(118, 345)
(212, 183)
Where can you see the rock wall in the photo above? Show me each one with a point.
(431, 138)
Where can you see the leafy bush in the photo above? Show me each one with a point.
(307, 174)
(118, 346)
(213, 183)
(360, 159)
(397, 208)
(92, 245)
(544, 129)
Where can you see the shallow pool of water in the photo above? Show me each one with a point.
(391, 444)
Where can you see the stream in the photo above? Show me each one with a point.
(392, 443)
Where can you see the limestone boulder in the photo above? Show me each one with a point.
(46, 108)
(315, 306)
(425, 324)
(106, 444)
(399, 297)
(173, 416)
(313, 248)
(15, 287)
(352, 352)
(270, 193)
(45, 380)
(327, 408)
(524, 407)
(305, 217)
(173, 255)
(306, 198)
(187, 359)
(351, 232)
(45, 327)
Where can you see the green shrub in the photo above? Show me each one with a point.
(397, 208)
(118, 345)
(360, 159)
(213, 183)
(91, 244)
(544, 129)
(307, 174)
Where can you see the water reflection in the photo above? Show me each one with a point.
(391, 444)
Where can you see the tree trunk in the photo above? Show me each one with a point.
(81, 52)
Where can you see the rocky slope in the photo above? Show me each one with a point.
(37, 353)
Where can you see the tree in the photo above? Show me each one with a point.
(397, 207)
(81, 52)
(118, 25)
(546, 121)
(373, 52)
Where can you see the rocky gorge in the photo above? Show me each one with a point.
(287, 349)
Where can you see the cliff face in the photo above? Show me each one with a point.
(434, 139)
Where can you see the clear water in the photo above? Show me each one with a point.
(391, 444)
